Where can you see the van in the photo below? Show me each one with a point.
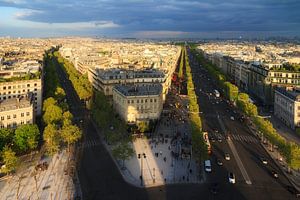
(207, 165)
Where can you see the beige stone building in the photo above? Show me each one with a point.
(136, 103)
(105, 80)
(15, 112)
(287, 106)
(14, 89)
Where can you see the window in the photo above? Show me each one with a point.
(35, 84)
(4, 88)
(150, 100)
(8, 116)
(2, 117)
(142, 101)
(28, 85)
(132, 101)
(22, 114)
(128, 101)
(154, 100)
(145, 100)
(27, 113)
(14, 116)
(137, 101)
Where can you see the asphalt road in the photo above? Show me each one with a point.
(249, 149)
(100, 179)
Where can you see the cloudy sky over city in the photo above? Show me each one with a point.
(150, 18)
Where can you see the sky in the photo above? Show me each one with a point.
(150, 18)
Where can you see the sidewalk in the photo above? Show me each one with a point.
(284, 131)
(51, 183)
(292, 175)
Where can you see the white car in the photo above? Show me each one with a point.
(232, 118)
(227, 156)
(231, 178)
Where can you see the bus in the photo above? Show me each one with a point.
(217, 93)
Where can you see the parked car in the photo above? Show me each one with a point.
(227, 156)
(231, 178)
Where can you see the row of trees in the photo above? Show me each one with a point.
(57, 119)
(80, 82)
(180, 71)
(22, 140)
(198, 143)
(288, 149)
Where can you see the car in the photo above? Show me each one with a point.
(264, 161)
(274, 174)
(219, 162)
(232, 118)
(212, 139)
(231, 178)
(207, 165)
(227, 156)
(293, 191)
(219, 139)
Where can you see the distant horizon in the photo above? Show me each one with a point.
(150, 19)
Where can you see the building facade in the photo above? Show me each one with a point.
(16, 111)
(106, 80)
(287, 106)
(15, 89)
(138, 103)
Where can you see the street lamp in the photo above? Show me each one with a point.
(139, 157)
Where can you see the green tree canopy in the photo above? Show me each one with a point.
(52, 139)
(10, 160)
(48, 102)
(70, 134)
(6, 137)
(26, 137)
(123, 151)
(67, 118)
(53, 114)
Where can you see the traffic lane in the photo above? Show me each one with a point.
(99, 176)
(251, 155)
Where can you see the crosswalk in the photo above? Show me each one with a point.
(237, 137)
(90, 143)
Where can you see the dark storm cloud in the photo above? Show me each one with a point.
(169, 15)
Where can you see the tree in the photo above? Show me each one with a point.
(26, 137)
(123, 151)
(143, 126)
(53, 114)
(6, 137)
(10, 160)
(48, 102)
(70, 134)
(52, 139)
(60, 94)
(67, 118)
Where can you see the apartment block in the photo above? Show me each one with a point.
(287, 106)
(136, 103)
(16, 111)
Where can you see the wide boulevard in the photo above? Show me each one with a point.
(100, 178)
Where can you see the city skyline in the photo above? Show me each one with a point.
(149, 19)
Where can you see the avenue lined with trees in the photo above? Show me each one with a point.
(57, 118)
(198, 144)
(289, 150)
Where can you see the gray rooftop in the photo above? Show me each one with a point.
(14, 103)
(127, 74)
(290, 93)
(139, 90)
